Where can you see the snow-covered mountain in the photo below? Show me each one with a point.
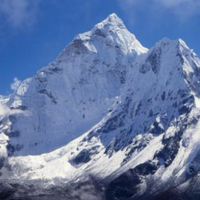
(108, 119)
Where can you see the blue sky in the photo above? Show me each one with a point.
(33, 32)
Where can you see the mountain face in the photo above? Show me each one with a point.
(73, 93)
(107, 120)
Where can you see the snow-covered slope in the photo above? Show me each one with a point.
(109, 109)
(73, 93)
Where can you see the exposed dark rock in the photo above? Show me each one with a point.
(21, 107)
(127, 185)
(12, 118)
(99, 33)
(144, 68)
(114, 123)
(55, 69)
(146, 168)
(184, 109)
(123, 187)
(169, 152)
(138, 108)
(79, 46)
(49, 94)
(163, 96)
(82, 158)
(13, 148)
(2, 161)
(14, 134)
(154, 60)
(180, 57)
(156, 128)
(6, 191)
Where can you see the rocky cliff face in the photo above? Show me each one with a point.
(108, 119)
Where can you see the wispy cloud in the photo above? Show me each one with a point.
(19, 13)
(16, 83)
(172, 3)
(183, 9)
(5, 110)
(169, 3)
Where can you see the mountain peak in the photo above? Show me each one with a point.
(179, 42)
(165, 42)
(182, 42)
(183, 46)
(111, 22)
(173, 45)
(114, 18)
(111, 31)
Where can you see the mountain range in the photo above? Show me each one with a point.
(108, 119)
